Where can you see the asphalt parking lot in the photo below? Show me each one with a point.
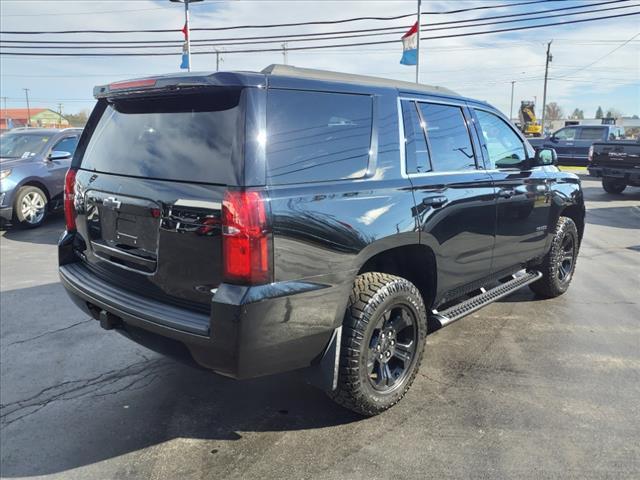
(525, 388)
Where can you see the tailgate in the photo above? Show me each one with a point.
(149, 191)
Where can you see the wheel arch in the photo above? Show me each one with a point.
(575, 213)
(33, 182)
(415, 262)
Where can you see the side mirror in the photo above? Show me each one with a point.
(59, 155)
(545, 156)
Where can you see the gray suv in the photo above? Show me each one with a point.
(33, 163)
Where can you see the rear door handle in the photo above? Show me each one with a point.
(506, 193)
(434, 202)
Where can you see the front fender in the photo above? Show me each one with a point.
(566, 193)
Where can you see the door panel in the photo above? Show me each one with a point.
(58, 168)
(455, 202)
(523, 210)
(563, 141)
(457, 221)
(522, 194)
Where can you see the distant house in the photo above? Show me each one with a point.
(40, 117)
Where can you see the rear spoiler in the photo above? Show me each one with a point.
(177, 82)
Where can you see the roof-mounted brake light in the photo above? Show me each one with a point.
(149, 82)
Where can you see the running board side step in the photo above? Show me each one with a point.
(486, 297)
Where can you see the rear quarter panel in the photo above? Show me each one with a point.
(324, 232)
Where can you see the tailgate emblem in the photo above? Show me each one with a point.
(111, 202)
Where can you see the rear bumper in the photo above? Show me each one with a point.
(630, 176)
(250, 332)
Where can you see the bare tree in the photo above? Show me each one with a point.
(613, 113)
(553, 111)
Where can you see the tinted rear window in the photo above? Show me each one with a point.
(315, 137)
(593, 133)
(416, 152)
(184, 138)
(448, 137)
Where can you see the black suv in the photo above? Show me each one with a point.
(300, 219)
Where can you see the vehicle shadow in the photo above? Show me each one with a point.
(627, 217)
(47, 234)
(181, 404)
(95, 396)
(597, 194)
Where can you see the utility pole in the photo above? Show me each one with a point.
(60, 114)
(218, 60)
(546, 78)
(284, 53)
(6, 117)
(418, 43)
(26, 94)
(513, 83)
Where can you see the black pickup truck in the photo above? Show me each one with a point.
(617, 163)
(298, 219)
(572, 143)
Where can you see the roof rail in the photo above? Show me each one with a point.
(314, 74)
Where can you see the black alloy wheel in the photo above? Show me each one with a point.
(392, 348)
(566, 258)
(559, 264)
(383, 341)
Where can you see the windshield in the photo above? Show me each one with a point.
(184, 137)
(22, 145)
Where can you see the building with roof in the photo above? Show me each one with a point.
(40, 117)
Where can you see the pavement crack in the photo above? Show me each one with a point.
(51, 332)
(141, 375)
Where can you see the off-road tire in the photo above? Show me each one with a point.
(372, 295)
(19, 217)
(613, 185)
(551, 285)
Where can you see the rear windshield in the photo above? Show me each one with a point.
(183, 138)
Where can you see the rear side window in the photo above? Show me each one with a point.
(448, 137)
(591, 133)
(416, 152)
(316, 137)
(184, 138)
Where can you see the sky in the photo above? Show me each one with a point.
(592, 66)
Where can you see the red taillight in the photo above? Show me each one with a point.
(245, 238)
(69, 194)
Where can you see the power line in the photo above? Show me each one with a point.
(274, 25)
(601, 58)
(312, 47)
(83, 13)
(82, 45)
